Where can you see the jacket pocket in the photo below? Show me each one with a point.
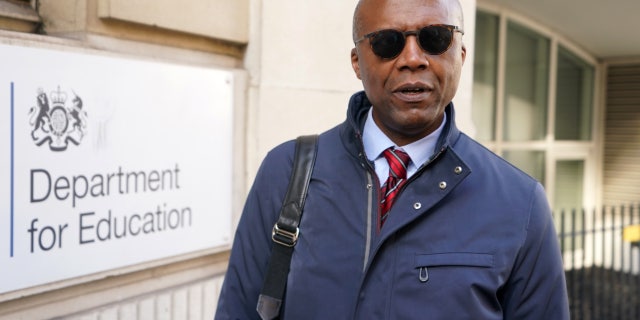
(424, 262)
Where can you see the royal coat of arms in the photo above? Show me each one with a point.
(53, 122)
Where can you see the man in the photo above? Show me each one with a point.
(464, 235)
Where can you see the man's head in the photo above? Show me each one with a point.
(409, 91)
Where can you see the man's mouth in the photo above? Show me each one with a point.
(412, 88)
(412, 92)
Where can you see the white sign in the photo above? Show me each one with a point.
(108, 162)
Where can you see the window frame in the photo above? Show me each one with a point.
(589, 151)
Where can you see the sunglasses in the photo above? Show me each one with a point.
(434, 39)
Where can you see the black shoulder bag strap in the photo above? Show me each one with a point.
(285, 231)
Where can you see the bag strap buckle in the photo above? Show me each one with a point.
(284, 237)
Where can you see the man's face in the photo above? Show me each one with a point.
(409, 92)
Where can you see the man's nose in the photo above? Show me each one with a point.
(412, 55)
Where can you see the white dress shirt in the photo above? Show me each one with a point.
(375, 142)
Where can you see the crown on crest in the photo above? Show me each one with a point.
(58, 96)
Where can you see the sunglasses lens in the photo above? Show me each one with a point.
(387, 44)
(435, 39)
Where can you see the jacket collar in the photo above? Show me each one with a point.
(357, 113)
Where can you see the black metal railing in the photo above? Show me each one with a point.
(602, 268)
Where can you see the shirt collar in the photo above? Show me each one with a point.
(375, 142)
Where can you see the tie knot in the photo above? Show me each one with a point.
(398, 161)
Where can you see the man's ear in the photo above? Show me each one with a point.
(354, 62)
(463, 52)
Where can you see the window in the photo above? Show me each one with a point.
(533, 104)
(569, 186)
(525, 90)
(574, 97)
(529, 161)
(18, 15)
(485, 72)
(569, 183)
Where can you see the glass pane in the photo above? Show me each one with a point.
(531, 162)
(568, 214)
(569, 184)
(485, 69)
(574, 97)
(526, 82)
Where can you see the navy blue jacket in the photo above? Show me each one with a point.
(469, 237)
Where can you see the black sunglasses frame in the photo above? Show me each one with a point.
(451, 28)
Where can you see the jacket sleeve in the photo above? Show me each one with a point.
(536, 288)
(251, 248)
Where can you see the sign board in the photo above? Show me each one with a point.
(108, 162)
(631, 233)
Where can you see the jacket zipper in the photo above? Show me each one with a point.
(367, 247)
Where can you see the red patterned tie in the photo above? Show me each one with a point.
(398, 161)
